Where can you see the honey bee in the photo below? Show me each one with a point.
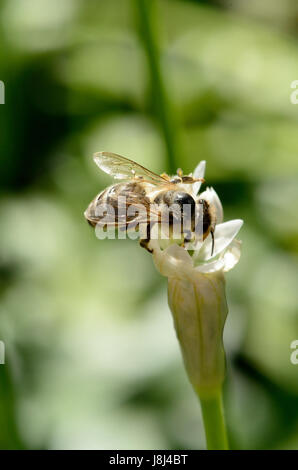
(156, 193)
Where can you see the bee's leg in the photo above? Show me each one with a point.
(188, 237)
(144, 242)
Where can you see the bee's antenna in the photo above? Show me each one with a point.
(212, 236)
(191, 180)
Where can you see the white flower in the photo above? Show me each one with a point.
(176, 259)
(196, 293)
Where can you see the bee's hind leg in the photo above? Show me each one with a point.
(188, 236)
(144, 242)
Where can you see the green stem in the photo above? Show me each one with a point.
(214, 422)
(146, 10)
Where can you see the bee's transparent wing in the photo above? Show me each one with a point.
(123, 168)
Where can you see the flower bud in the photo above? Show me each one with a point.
(199, 310)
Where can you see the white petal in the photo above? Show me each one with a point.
(223, 236)
(174, 261)
(178, 254)
(211, 267)
(211, 196)
(198, 173)
(232, 255)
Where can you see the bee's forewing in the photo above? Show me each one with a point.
(122, 168)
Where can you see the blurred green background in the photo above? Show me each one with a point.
(91, 355)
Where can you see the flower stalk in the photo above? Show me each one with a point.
(214, 422)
